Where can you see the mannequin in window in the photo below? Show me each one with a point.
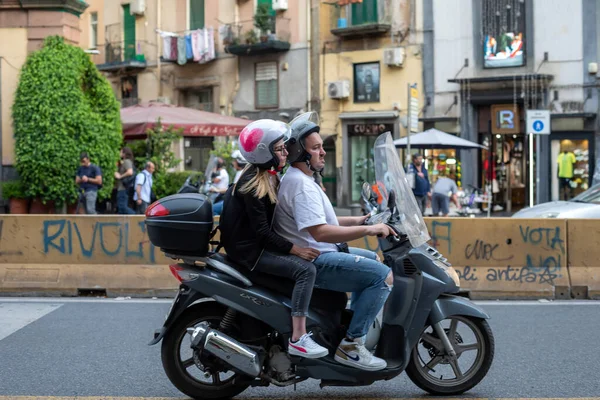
(566, 163)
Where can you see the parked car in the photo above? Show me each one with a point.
(585, 205)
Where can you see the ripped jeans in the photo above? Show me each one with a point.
(359, 273)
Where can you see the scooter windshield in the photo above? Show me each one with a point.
(397, 194)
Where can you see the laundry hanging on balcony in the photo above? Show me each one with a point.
(197, 45)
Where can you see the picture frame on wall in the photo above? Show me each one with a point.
(366, 82)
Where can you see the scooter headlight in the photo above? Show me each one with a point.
(450, 271)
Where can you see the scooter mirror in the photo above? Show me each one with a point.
(366, 191)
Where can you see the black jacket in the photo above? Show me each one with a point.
(245, 225)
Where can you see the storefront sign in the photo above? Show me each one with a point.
(505, 119)
(369, 129)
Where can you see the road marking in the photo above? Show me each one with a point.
(16, 316)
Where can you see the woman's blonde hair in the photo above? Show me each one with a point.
(260, 185)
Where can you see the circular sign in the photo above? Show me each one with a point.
(538, 126)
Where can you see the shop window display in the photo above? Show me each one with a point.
(570, 163)
(362, 164)
(442, 161)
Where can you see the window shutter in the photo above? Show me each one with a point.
(364, 13)
(196, 14)
(267, 88)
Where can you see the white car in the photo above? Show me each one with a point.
(585, 205)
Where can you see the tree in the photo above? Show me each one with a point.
(63, 106)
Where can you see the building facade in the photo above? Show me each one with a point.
(23, 27)
(371, 53)
(487, 63)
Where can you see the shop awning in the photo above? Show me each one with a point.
(436, 139)
(195, 123)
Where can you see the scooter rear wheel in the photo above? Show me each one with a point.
(422, 372)
(183, 370)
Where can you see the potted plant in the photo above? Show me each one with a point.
(15, 192)
(263, 21)
(251, 37)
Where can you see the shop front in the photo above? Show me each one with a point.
(571, 166)
(360, 131)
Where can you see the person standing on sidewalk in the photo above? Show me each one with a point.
(126, 180)
(143, 188)
(89, 179)
(422, 187)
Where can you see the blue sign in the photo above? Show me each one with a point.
(538, 125)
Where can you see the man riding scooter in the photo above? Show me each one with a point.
(305, 217)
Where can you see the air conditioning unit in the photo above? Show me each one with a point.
(138, 7)
(394, 57)
(280, 5)
(338, 89)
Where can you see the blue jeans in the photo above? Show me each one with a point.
(360, 274)
(122, 200)
(217, 208)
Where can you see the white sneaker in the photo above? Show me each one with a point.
(306, 347)
(355, 354)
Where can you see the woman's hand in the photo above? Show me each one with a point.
(306, 253)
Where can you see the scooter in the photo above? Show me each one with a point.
(228, 327)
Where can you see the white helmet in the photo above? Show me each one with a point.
(257, 140)
(237, 156)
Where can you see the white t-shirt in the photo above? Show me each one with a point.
(302, 204)
(224, 182)
(237, 176)
(144, 179)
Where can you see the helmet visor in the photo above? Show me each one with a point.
(310, 116)
(285, 130)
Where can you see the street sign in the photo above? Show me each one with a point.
(538, 122)
(414, 109)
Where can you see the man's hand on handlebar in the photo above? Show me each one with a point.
(381, 230)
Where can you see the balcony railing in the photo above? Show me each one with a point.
(132, 101)
(362, 19)
(247, 39)
(121, 55)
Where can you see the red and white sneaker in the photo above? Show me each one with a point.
(306, 347)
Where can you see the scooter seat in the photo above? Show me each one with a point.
(321, 299)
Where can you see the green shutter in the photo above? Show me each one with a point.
(196, 14)
(128, 33)
(269, 3)
(364, 13)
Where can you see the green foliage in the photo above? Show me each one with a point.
(158, 148)
(13, 190)
(263, 19)
(173, 181)
(224, 149)
(63, 106)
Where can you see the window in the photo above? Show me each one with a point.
(364, 13)
(196, 14)
(266, 85)
(93, 30)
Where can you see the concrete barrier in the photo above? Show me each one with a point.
(496, 258)
(584, 257)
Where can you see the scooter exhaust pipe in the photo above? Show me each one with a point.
(225, 348)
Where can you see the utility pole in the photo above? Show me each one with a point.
(315, 90)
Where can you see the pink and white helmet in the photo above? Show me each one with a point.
(257, 140)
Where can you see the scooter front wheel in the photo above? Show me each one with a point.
(434, 370)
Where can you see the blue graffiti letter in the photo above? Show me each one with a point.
(140, 252)
(102, 226)
(49, 240)
(86, 253)
(436, 237)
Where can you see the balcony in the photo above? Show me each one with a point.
(271, 36)
(76, 7)
(369, 18)
(120, 56)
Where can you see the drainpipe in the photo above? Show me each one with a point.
(158, 45)
(309, 44)
(314, 56)
(236, 88)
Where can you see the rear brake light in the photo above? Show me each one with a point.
(183, 274)
(157, 210)
(175, 271)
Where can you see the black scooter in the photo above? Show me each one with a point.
(228, 327)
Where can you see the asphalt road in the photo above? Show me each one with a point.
(98, 347)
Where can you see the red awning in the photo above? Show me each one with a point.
(137, 119)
